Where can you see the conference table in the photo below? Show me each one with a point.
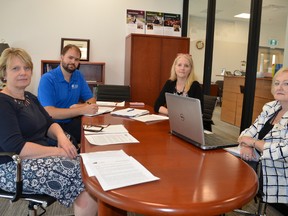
(192, 181)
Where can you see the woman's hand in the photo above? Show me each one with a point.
(67, 146)
(247, 148)
(247, 153)
(163, 110)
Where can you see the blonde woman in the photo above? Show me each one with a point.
(181, 82)
(269, 136)
(50, 164)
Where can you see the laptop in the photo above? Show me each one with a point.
(185, 117)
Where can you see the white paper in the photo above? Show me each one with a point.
(130, 112)
(109, 139)
(151, 117)
(101, 110)
(208, 132)
(115, 169)
(236, 151)
(107, 130)
(110, 103)
(92, 157)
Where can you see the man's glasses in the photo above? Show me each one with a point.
(95, 128)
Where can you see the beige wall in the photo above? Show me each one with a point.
(38, 27)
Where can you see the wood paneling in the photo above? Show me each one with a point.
(148, 61)
(229, 107)
(232, 99)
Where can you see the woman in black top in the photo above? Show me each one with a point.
(181, 82)
(50, 164)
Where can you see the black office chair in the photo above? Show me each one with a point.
(209, 103)
(220, 90)
(35, 201)
(115, 93)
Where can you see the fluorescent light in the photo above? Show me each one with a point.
(243, 15)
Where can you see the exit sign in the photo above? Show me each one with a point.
(272, 42)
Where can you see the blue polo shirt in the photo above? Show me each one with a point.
(55, 91)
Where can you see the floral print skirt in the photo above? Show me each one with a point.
(58, 177)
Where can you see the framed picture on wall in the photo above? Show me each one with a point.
(83, 44)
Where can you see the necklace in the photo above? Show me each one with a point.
(22, 100)
(179, 92)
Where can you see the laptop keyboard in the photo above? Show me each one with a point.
(214, 140)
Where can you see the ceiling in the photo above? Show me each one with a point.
(274, 12)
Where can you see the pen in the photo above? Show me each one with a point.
(129, 110)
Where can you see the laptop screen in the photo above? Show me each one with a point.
(186, 122)
(185, 117)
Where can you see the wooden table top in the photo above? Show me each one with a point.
(192, 181)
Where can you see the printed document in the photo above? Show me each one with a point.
(115, 169)
(130, 112)
(150, 118)
(109, 139)
(106, 129)
(109, 103)
(101, 110)
(108, 134)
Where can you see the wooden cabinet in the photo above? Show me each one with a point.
(93, 72)
(232, 99)
(148, 61)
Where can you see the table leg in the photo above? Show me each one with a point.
(107, 210)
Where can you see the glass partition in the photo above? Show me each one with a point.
(231, 35)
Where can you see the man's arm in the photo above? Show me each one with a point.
(74, 111)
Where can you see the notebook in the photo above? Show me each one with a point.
(185, 117)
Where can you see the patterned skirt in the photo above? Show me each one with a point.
(58, 177)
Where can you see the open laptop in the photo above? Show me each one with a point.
(185, 117)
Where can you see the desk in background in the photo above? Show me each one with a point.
(192, 181)
(232, 98)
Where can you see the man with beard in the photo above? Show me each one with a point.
(61, 89)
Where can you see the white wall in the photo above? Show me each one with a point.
(38, 26)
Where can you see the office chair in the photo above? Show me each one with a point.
(209, 106)
(115, 93)
(35, 201)
(220, 90)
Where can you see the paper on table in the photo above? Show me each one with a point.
(92, 157)
(109, 139)
(151, 117)
(130, 112)
(118, 171)
(236, 151)
(110, 103)
(137, 104)
(101, 110)
(106, 130)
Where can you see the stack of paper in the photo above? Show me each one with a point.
(151, 118)
(115, 169)
(130, 112)
(102, 110)
(112, 134)
(109, 103)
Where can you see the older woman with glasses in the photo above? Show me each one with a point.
(50, 164)
(269, 136)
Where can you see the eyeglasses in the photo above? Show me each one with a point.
(95, 128)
